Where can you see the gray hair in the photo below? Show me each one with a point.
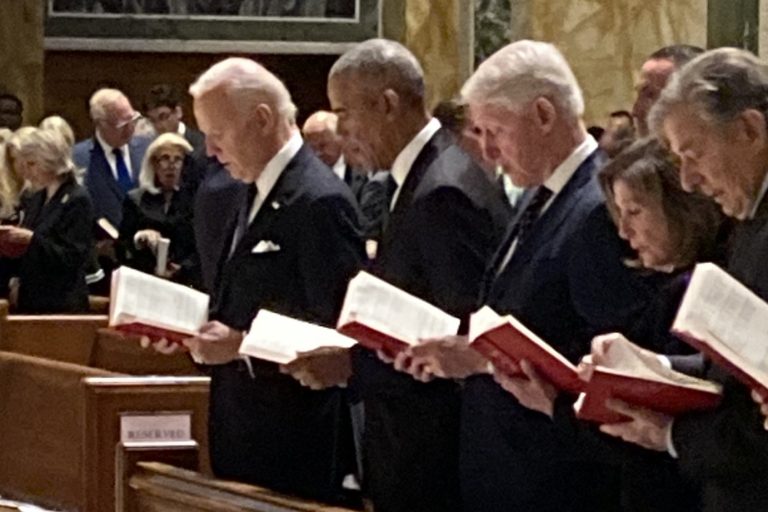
(248, 82)
(102, 100)
(718, 86)
(49, 149)
(147, 175)
(385, 64)
(522, 71)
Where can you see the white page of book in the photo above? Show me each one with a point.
(721, 311)
(140, 297)
(281, 339)
(387, 309)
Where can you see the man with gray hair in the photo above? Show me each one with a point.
(559, 271)
(265, 428)
(444, 222)
(714, 116)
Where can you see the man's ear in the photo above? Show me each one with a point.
(391, 104)
(264, 118)
(753, 128)
(179, 112)
(544, 114)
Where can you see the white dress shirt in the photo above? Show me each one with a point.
(110, 156)
(340, 168)
(272, 171)
(407, 156)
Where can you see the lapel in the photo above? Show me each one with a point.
(43, 211)
(102, 170)
(545, 226)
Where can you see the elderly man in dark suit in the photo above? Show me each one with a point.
(291, 249)
(443, 227)
(713, 116)
(112, 157)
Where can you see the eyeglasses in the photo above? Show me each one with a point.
(168, 159)
(122, 124)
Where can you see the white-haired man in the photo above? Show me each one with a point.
(713, 114)
(112, 158)
(265, 428)
(559, 271)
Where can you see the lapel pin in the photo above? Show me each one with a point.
(275, 205)
(65, 199)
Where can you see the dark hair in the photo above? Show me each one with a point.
(679, 54)
(648, 168)
(596, 131)
(452, 115)
(161, 95)
(621, 113)
(13, 98)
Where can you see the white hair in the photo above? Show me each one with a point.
(49, 149)
(328, 120)
(248, 82)
(147, 174)
(59, 124)
(103, 100)
(522, 71)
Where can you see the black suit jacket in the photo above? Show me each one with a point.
(439, 237)
(566, 282)
(726, 450)
(268, 429)
(355, 181)
(52, 271)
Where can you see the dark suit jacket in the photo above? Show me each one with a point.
(270, 430)
(196, 163)
(440, 235)
(145, 210)
(52, 271)
(566, 282)
(355, 181)
(99, 180)
(726, 450)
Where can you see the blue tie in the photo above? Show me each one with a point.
(124, 180)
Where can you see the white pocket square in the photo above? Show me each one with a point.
(265, 246)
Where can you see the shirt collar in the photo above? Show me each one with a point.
(760, 197)
(108, 149)
(340, 167)
(275, 167)
(568, 167)
(407, 156)
(182, 129)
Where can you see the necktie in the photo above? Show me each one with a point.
(390, 187)
(124, 180)
(243, 214)
(523, 226)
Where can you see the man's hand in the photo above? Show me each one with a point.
(16, 235)
(448, 358)
(162, 346)
(646, 428)
(322, 368)
(762, 400)
(147, 238)
(215, 344)
(531, 390)
(614, 343)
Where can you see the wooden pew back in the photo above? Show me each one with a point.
(121, 353)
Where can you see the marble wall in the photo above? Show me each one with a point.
(606, 41)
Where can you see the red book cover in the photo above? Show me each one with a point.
(372, 339)
(153, 332)
(667, 398)
(505, 344)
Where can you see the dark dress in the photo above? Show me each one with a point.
(52, 271)
(173, 220)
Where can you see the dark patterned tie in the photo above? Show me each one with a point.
(123, 176)
(242, 216)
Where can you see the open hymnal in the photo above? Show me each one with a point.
(726, 321)
(641, 381)
(383, 317)
(108, 228)
(141, 303)
(505, 341)
(282, 339)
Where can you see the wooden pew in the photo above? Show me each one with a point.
(61, 426)
(158, 487)
(116, 352)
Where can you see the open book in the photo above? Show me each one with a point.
(282, 339)
(631, 378)
(140, 303)
(383, 317)
(505, 340)
(726, 321)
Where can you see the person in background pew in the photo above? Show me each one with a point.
(670, 230)
(52, 244)
(59, 124)
(713, 115)
(265, 428)
(15, 182)
(161, 208)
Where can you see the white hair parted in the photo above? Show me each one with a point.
(716, 86)
(522, 71)
(247, 82)
(102, 100)
(383, 64)
(60, 125)
(165, 140)
(49, 149)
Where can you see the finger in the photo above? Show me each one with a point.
(385, 357)
(145, 342)
(626, 409)
(615, 429)
(402, 361)
(530, 372)
(757, 397)
(764, 409)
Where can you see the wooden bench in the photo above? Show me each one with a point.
(61, 426)
(161, 488)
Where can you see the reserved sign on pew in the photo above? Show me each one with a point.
(155, 427)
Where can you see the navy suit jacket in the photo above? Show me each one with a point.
(566, 282)
(268, 429)
(99, 180)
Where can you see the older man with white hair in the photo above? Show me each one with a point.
(559, 271)
(291, 249)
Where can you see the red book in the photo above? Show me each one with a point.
(143, 304)
(727, 322)
(381, 316)
(505, 341)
